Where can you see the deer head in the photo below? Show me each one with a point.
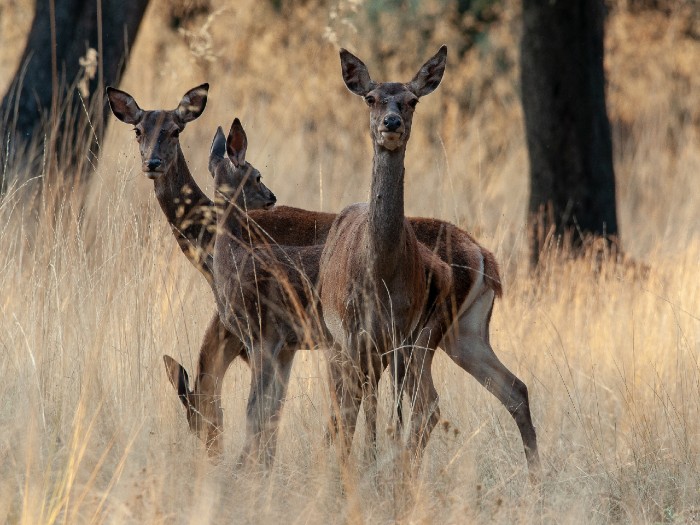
(236, 180)
(157, 131)
(391, 104)
(204, 416)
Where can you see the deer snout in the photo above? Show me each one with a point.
(152, 166)
(271, 201)
(392, 122)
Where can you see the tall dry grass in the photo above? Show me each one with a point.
(95, 288)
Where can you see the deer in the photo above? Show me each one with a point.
(191, 216)
(374, 274)
(265, 293)
(374, 270)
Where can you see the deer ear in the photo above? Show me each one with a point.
(217, 152)
(193, 103)
(178, 378)
(124, 106)
(355, 74)
(430, 74)
(237, 143)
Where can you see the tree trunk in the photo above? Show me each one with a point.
(42, 99)
(572, 183)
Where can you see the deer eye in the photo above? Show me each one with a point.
(258, 179)
(413, 103)
(370, 100)
(138, 132)
(176, 133)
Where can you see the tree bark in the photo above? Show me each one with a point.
(572, 182)
(42, 99)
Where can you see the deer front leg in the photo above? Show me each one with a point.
(268, 387)
(369, 402)
(411, 367)
(276, 393)
(370, 386)
(424, 400)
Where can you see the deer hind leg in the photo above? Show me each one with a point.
(469, 347)
(424, 400)
(270, 369)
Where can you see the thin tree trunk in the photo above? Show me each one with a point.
(572, 182)
(42, 101)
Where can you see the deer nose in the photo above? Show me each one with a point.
(271, 200)
(392, 122)
(153, 164)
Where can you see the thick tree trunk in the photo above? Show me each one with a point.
(572, 183)
(42, 100)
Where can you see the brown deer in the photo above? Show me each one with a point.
(265, 293)
(379, 286)
(191, 216)
(185, 205)
(374, 275)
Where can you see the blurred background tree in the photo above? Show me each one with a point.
(572, 181)
(74, 47)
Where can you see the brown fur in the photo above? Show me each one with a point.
(265, 293)
(378, 285)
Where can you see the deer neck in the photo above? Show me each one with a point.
(186, 207)
(230, 219)
(386, 206)
(179, 195)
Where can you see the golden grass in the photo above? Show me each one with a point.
(95, 290)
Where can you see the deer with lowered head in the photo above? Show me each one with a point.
(192, 219)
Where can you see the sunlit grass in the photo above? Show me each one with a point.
(95, 290)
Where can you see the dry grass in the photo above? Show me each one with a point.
(95, 289)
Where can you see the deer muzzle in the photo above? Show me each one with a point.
(391, 131)
(270, 201)
(390, 139)
(153, 168)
